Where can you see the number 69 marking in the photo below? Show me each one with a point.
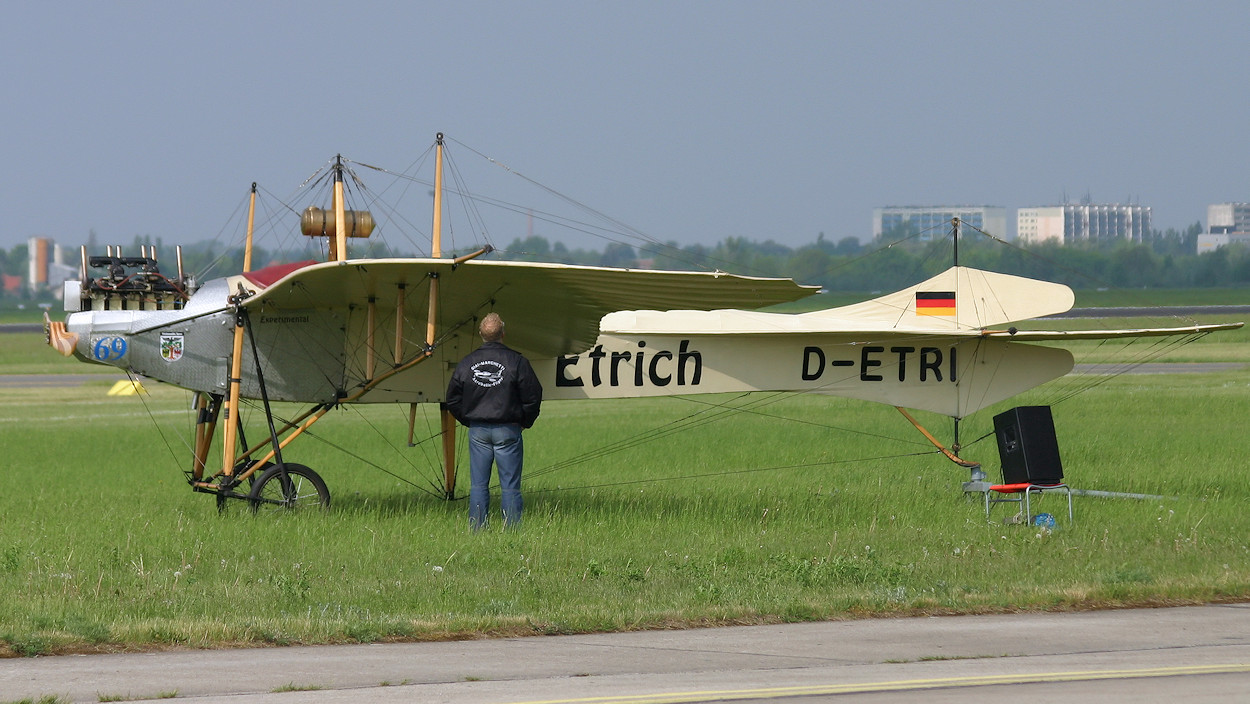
(109, 349)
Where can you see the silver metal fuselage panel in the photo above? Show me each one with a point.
(301, 352)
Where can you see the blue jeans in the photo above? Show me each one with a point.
(499, 443)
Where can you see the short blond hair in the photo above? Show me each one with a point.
(491, 328)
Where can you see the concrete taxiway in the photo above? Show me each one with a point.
(1191, 654)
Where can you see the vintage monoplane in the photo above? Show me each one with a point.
(391, 330)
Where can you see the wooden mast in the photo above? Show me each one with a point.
(229, 451)
(447, 421)
(338, 246)
(251, 221)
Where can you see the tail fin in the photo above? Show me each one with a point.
(958, 299)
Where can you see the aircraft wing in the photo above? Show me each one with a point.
(550, 309)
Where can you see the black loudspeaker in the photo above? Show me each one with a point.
(1027, 446)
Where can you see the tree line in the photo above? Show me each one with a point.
(1167, 260)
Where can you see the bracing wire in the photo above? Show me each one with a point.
(730, 472)
(715, 410)
(217, 238)
(134, 381)
(711, 413)
(371, 463)
(411, 464)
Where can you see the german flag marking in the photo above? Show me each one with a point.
(935, 303)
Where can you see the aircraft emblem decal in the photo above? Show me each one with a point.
(487, 374)
(171, 346)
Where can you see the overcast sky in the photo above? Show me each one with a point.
(691, 121)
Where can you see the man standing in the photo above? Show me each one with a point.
(495, 392)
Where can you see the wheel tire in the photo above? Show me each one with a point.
(223, 501)
(289, 486)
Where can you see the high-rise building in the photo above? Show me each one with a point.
(1225, 218)
(1071, 223)
(45, 265)
(39, 252)
(1227, 223)
(932, 222)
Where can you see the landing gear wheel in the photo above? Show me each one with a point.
(289, 486)
(230, 488)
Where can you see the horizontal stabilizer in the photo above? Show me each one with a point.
(958, 299)
(1052, 335)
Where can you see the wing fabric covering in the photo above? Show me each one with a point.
(981, 299)
(550, 310)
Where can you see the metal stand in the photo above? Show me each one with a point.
(978, 482)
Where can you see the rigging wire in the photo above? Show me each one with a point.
(712, 413)
(730, 472)
(433, 483)
(472, 215)
(208, 269)
(134, 381)
(715, 411)
(1094, 379)
(460, 190)
(371, 463)
(654, 245)
(430, 458)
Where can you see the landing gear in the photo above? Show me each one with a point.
(232, 488)
(289, 486)
(280, 486)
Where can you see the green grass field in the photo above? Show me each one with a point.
(800, 507)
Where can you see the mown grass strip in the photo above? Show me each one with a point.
(103, 547)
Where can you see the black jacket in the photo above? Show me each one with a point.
(494, 384)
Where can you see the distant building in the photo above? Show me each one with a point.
(934, 221)
(46, 267)
(1227, 223)
(1071, 223)
(38, 255)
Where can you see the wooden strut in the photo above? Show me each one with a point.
(339, 243)
(297, 426)
(447, 421)
(251, 221)
(949, 454)
(399, 324)
(338, 251)
(412, 423)
(372, 324)
(228, 456)
(207, 410)
(312, 415)
(234, 379)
